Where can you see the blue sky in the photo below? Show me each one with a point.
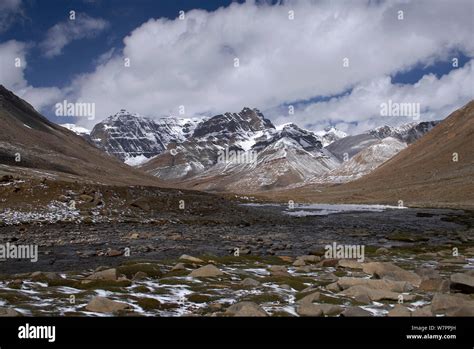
(282, 62)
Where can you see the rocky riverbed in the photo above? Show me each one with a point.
(417, 262)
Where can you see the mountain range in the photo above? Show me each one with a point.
(191, 153)
(426, 163)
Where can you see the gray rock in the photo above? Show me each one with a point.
(108, 274)
(361, 292)
(279, 270)
(392, 272)
(190, 259)
(462, 282)
(105, 305)
(246, 309)
(355, 312)
(378, 284)
(9, 312)
(249, 282)
(206, 272)
(424, 311)
(452, 305)
(399, 310)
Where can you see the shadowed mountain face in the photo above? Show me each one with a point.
(36, 147)
(437, 170)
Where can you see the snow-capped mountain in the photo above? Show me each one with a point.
(134, 138)
(244, 152)
(330, 135)
(349, 146)
(365, 161)
(279, 157)
(406, 133)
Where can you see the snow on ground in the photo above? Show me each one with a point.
(136, 160)
(76, 129)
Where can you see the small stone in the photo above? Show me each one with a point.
(382, 251)
(249, 282)
(113, 253)
(178, 266)
(190, 259)
(86, 198)
(299, 263)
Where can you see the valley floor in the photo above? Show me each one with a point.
(417, 262)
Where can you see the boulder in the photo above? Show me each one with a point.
(392, 272)
(427, 273)
(423, 311)
(462, 282)
(378, 284)
(309, 258)
(399, 310)
(310, 298)
(355, 312)
(9, 312)
(178, 266)
(105, 305)
(207, 271)
(299, 263)
(452, 305)
(108, 274)
(246, 309)
(279, 270)
(434, 285)
(350, 263)
(363, 292)
(311, 309)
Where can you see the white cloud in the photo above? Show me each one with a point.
(63, 33)
(361, 109)
(12, 65)
(190, 62)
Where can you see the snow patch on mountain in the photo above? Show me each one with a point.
(76, 129)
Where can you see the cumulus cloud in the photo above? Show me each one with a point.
(10, 10)
(191, 62)
(12, 66)
(63, 33)
(361, 109)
